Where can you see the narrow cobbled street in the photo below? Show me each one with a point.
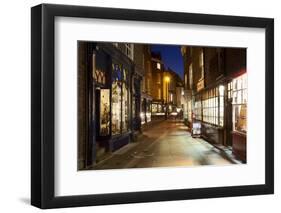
(164, 144)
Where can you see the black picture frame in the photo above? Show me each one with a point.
(43, 102)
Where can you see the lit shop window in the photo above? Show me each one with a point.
(213, 106)
(154, 108)
(210, 106)
(116, 100)
(157, 108)
(120, 99)
(239, 101)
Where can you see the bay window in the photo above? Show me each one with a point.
(120, 100)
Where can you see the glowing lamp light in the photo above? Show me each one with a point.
(167, 79)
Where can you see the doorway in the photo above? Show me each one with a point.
(102, 106)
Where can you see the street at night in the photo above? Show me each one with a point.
(156, 105)
(165, 144)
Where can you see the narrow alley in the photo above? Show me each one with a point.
(165, 144)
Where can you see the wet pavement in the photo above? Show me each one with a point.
(165, 144)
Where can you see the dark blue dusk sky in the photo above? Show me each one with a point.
(171, 56)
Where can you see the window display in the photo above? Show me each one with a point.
(116, 100)
(212, 105)
(239, 102)
(154, 108)
(104, 112)
(120, 99)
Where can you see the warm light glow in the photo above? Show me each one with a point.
(167, 79)
(158, 66)
(221, 89)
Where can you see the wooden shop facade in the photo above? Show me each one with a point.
(109, 100)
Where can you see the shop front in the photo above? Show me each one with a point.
(158, 110)
(111, 100)
(209, 111)
(221, 113)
